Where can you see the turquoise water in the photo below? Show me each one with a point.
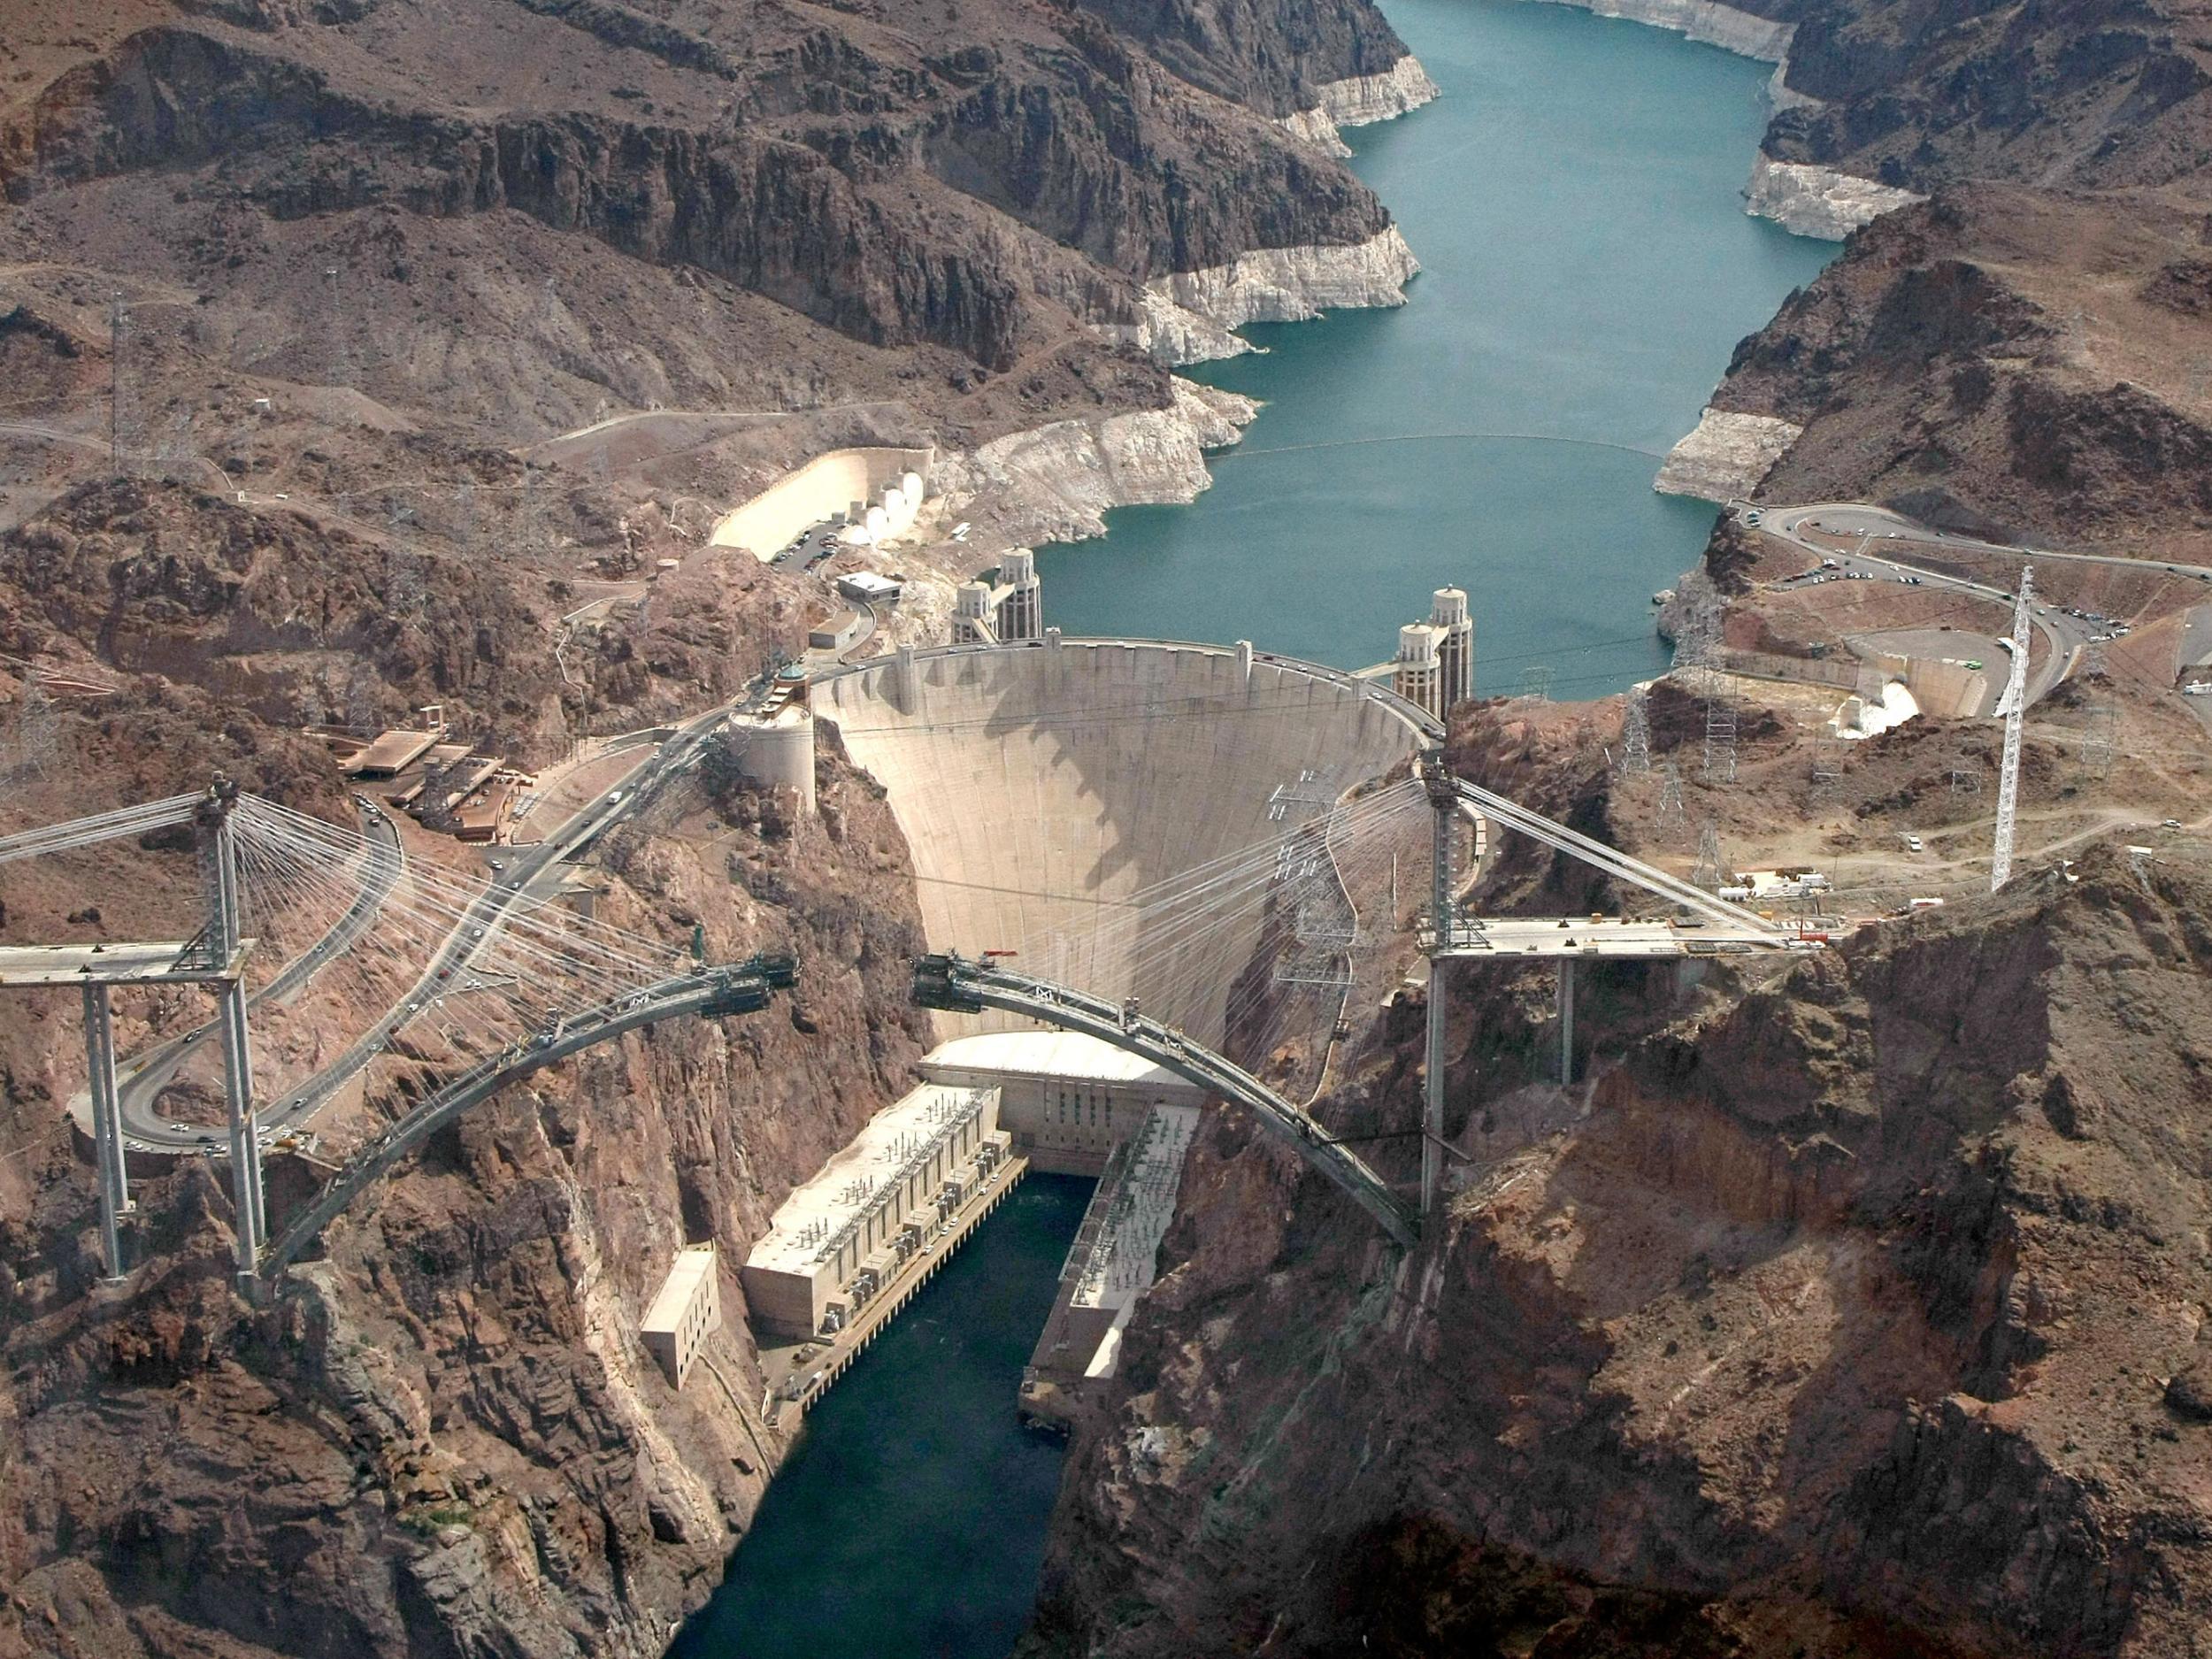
(1574, 200)
(910, 1521)
(1573, 196)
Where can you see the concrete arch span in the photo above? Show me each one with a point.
(1043, 786)
(714, 993)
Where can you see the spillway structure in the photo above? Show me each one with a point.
(1045, 789)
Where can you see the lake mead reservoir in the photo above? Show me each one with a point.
(1575, 198)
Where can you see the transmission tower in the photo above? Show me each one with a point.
(1671, 813)
(1965, 780)
(1709, 871)
(1827, 757)
(30, 746)
(2011, 707)
(1720, 733)
(1536, 682)
(1636, 735)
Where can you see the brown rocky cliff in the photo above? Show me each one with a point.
(857, 188)
(445, 1437)
(1836, 1318)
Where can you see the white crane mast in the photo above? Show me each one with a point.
(2010, 705)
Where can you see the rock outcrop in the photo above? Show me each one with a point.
(1818, 201)
(1724, 456)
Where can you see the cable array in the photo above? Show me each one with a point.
(1258, 945)
(426, 970)
(102, 826)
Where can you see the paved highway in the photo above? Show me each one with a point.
(2062, 634)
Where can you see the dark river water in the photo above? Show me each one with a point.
(1574, 199)
(910, 1521)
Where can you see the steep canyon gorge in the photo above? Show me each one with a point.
(1848, 1311)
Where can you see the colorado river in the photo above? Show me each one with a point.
(911, 1520)
(1574, 198)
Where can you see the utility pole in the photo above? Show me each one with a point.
(2011, 707)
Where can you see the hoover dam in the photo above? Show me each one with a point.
(1051, 791)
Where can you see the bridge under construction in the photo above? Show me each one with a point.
(1183, 853)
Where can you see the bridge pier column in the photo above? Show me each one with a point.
(1566, 1020)
(1443, 803)
(219, 863)
(245, 1136)
(107, 1129)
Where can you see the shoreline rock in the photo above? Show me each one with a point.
(1803, 199)
(1810, 201)
(1361, 101)
(1056, 482)
(1188, 314)
(1724, 456)
(1705, 21)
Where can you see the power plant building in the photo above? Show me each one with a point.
(1011, 609)
(841, 1237)
(686, 1312)
(1067, 1099)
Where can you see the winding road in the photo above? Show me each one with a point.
(1839, 520)
(532, 879)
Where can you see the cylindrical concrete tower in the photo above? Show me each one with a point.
(777, 752)
(1456, 652)
(972, 623)
(1021, 610)
(1417, 675)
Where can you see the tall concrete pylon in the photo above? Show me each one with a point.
(2011, 707)
(218, 863)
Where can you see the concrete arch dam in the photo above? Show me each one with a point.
(1052, 791)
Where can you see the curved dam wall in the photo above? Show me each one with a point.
(1042, 785)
